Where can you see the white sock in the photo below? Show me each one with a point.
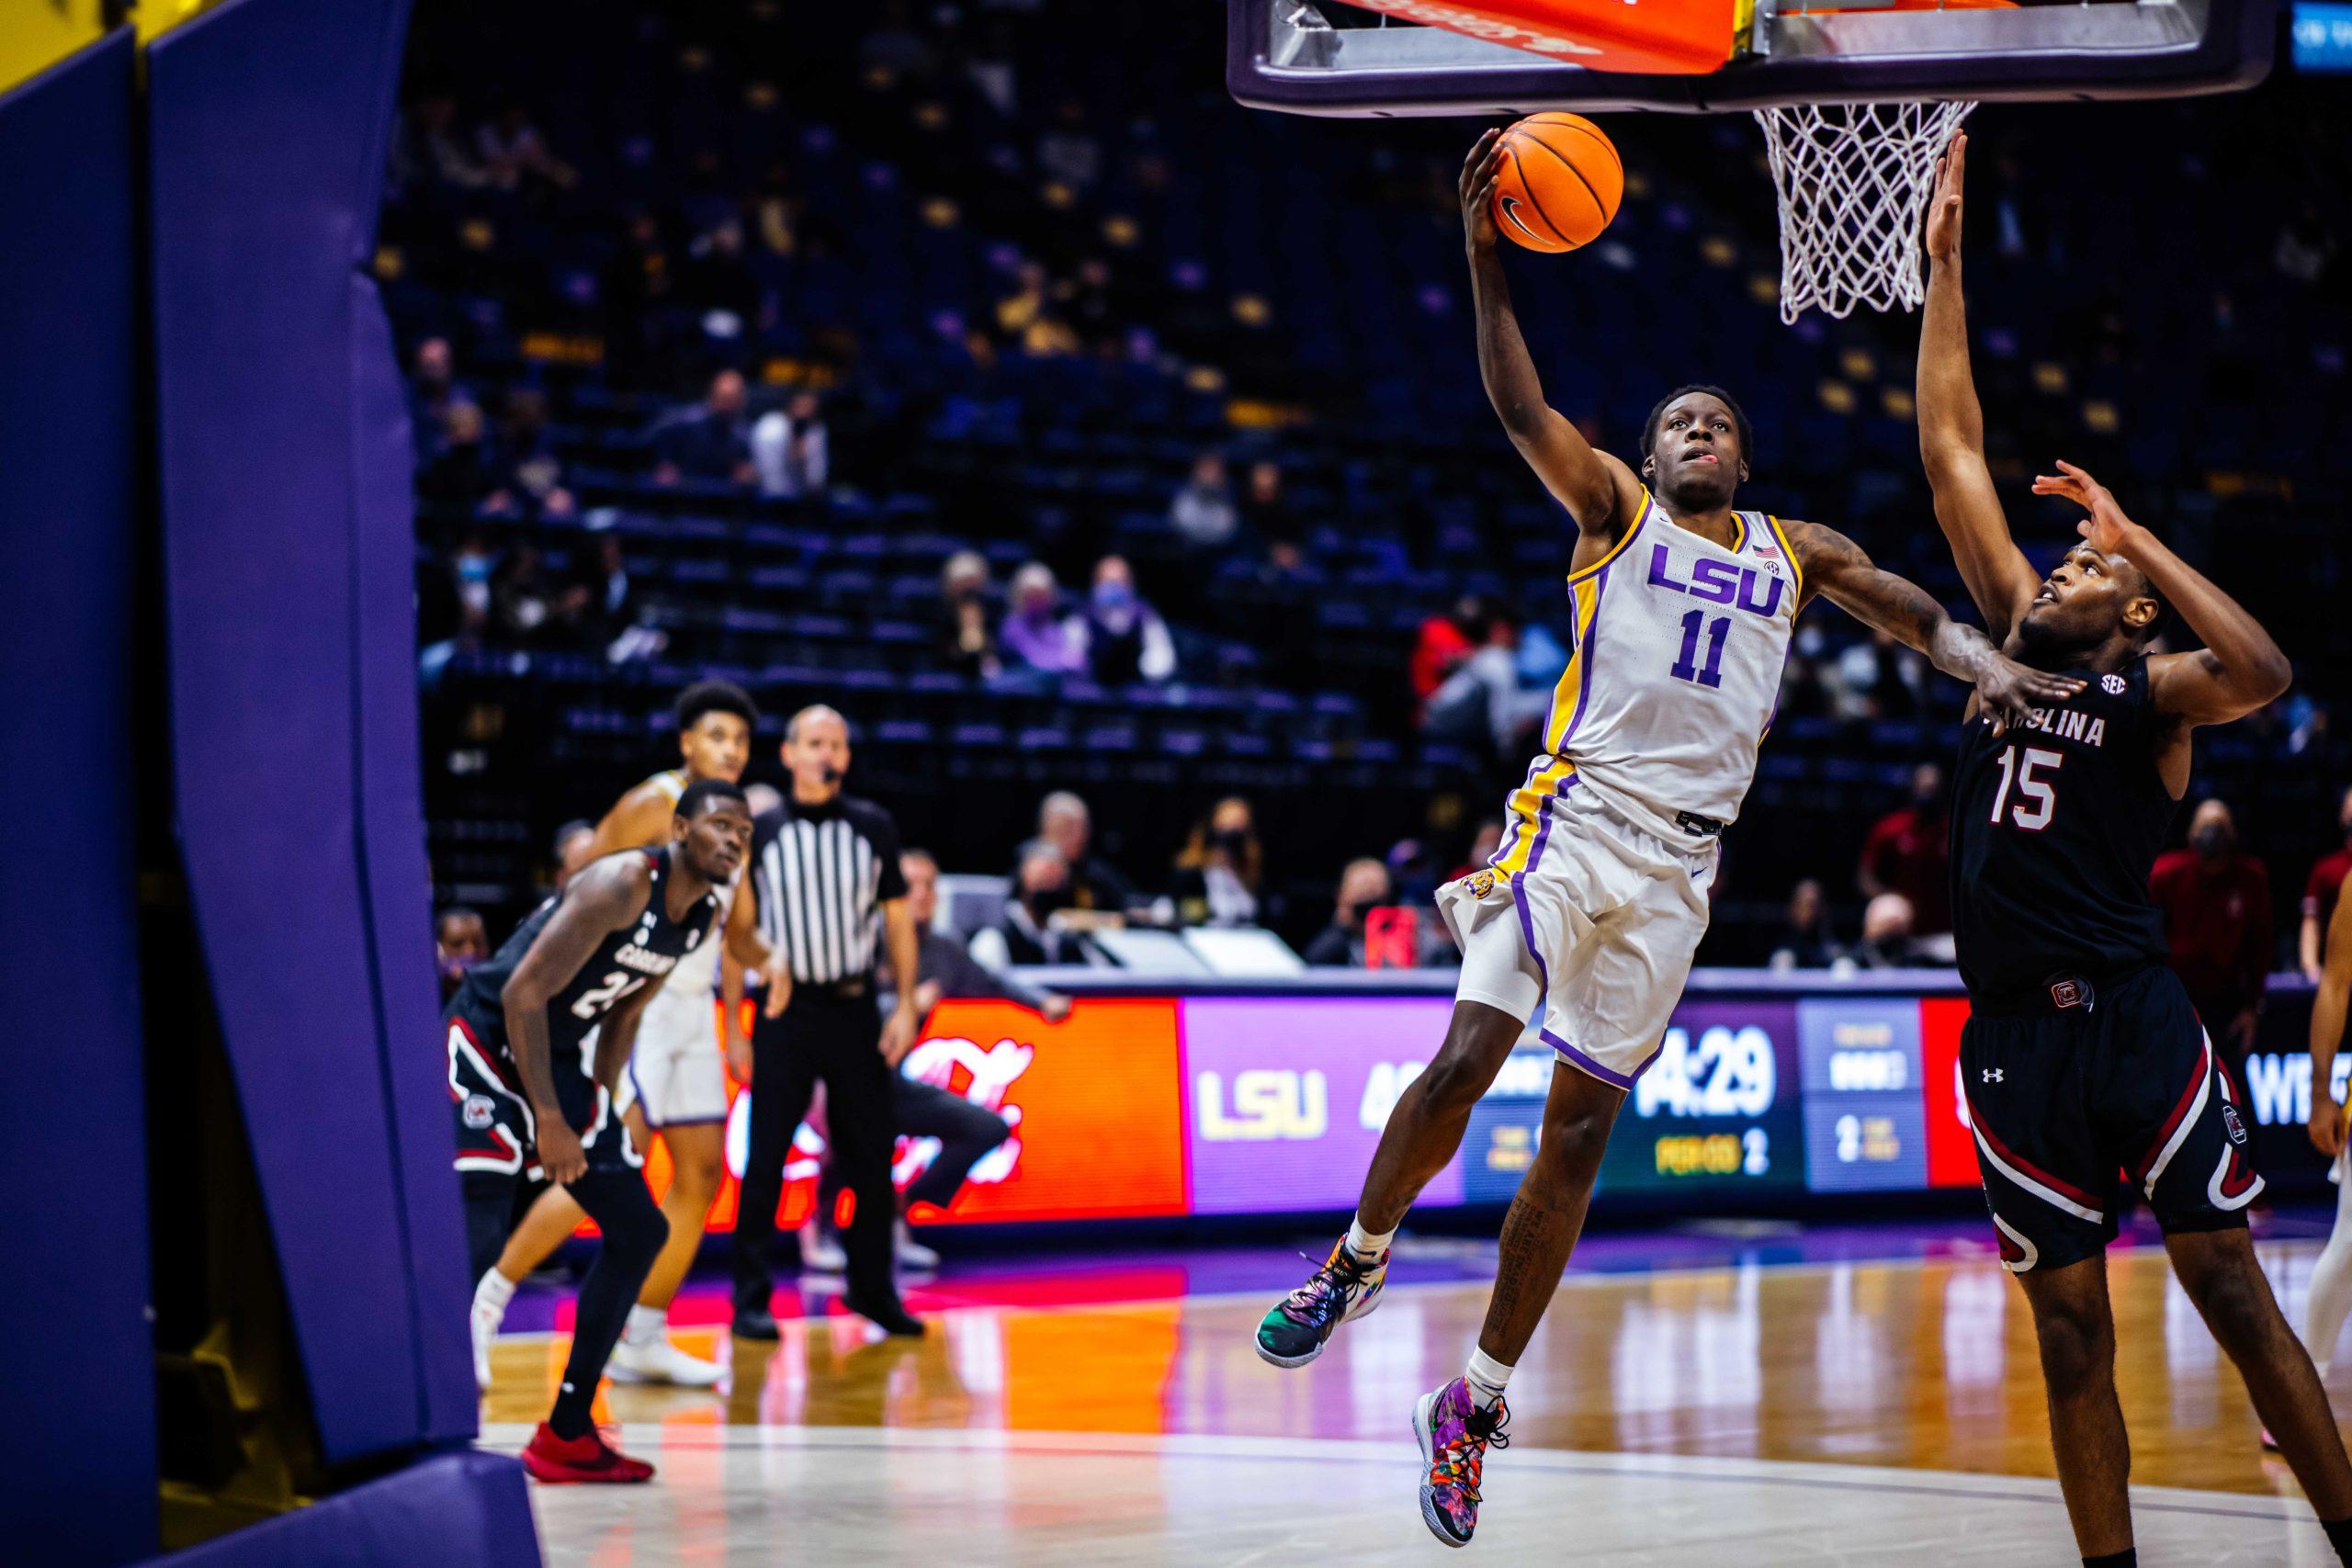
(646, 1324)
(1486, 1377)
(494, 1291)
(1367, 1245)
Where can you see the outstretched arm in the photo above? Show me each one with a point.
(1842, 573)
(1952, 425)
(1597, 488)
(2238, 671)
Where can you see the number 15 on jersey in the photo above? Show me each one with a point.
(2027, 774)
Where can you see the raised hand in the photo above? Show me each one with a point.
(1942, 238)
(2107, 524)
(1477, 189)
(2010, 691)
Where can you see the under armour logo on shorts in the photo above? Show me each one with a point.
(1992, 1074)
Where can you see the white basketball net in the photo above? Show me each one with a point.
(1854, 181)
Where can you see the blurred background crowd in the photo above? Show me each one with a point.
(1117, 463)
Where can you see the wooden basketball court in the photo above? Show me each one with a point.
(1846, 1412)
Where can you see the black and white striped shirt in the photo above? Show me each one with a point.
(821, 875)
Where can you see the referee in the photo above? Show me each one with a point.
(822, 864)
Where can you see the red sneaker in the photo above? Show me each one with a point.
(587, 1458)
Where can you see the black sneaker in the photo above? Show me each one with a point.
(754, 1322)
(889, 1315)
(1302, 1322)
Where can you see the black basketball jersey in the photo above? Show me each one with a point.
(2055, 825)
(624, 963)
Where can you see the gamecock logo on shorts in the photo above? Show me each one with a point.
(2231, 1124)
(478, 1112)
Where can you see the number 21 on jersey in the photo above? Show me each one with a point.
(2022, 771)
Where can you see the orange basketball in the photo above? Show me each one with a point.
(1559, 182)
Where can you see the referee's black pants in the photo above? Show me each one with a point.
(837, 1041)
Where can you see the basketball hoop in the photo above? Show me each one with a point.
(1853, 181)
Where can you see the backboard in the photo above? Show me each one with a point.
(1323, 56)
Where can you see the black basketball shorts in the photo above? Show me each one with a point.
(2101, 1085)
(495, 1130)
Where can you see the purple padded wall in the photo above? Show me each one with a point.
(457, 1510)
(283, 479)
(77, 1434)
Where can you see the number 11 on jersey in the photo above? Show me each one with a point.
(1687, 667)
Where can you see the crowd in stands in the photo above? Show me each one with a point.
(1077, 428)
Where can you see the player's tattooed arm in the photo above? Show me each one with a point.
(2239, 669)
(601, 899)
(1952, 425)
(1599, 491)
(1842, 572)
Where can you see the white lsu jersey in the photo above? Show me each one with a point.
(1671, 681)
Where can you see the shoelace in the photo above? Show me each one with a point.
(1312, 1302)
(1461, 1465)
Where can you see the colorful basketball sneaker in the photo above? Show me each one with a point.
(1454, 1435)
(587, 1458)
(1302, 1322)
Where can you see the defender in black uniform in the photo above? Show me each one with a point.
(2082, 1059)
(528, 1099)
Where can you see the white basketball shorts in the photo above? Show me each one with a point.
(677, 1071)
(1598, 932)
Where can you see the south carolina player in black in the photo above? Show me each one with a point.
(528, 1098)
(2082, 1056)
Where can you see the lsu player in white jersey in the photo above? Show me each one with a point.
(675, 1084)
(1585, 922)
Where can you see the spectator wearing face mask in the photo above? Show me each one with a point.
(2319, 891)
(1887, 942)
(1909, 851)
(1202, 513)
(1036, 633)
(1028, 933)
(791, 450)
(966, 643)
(1363, 887)
(1807, 942)
(1125, 639)
(460, 941)
(1100, 893)
(2216, 909)
(1220, 872)
(1485, 844)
